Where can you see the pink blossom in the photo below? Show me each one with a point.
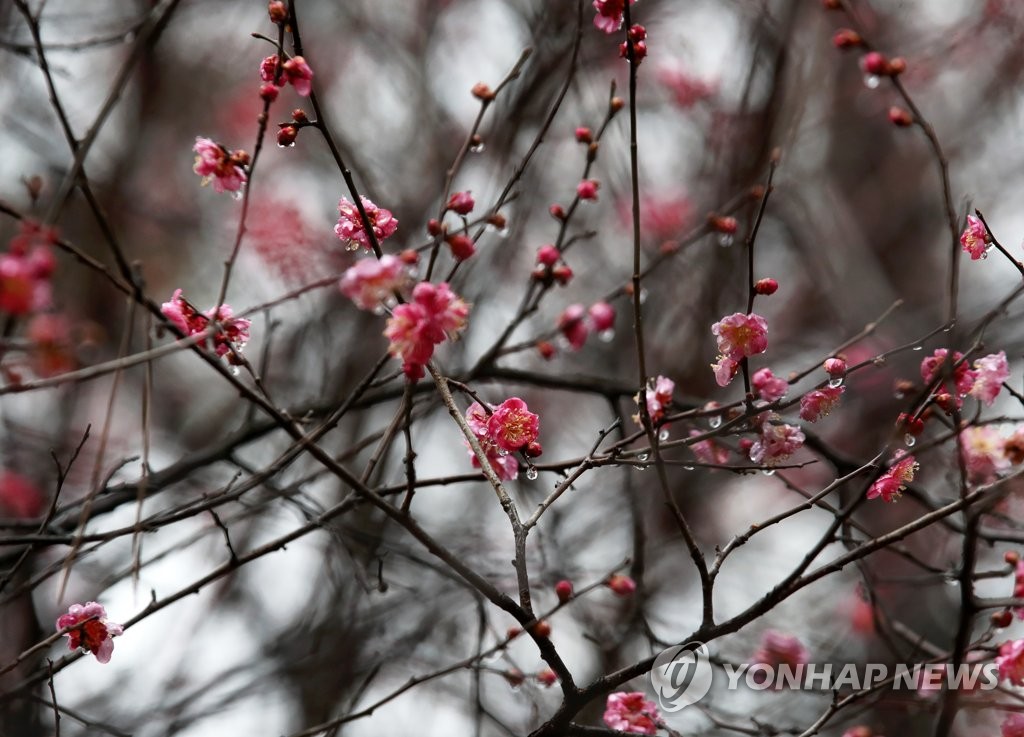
(573, 326)
(776, 443)
(991, 371)
(587, 189)
(548, 255)
(890, 484)
(658, 396)
(506, 467)
(768, 387)
(268, 67)
(609, 14)
(476, 418)
(963, 377)
(818, 403)
(416, 327)
(974, 239)
(602, 316)
(19, 497)
(740, 336)
(621, 584)
(725, 370)
(835, 367)
(1011, 662)
(214, 164)
(233, 333)
(295, 72)
(461, 203)
(52, 352)
(512, 425)
(92, 630)
(371, 281)
(778, 649)
(631, 712)
(21, 291)
(350, 224)
(983, 453)
(687, 90)
(708, 451)
(1013, 725)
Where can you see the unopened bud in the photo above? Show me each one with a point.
(482, 92)
(899, 117)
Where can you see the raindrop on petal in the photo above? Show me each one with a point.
(836, 382)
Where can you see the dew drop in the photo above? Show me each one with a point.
(768, 472)
(643, 295)
(352, 246)
(909, 440)
(871, 81)
(663, 435)
(378, 310)
(715, 421)
(725, 239)
(898, 394)
(836, 382)
(289, 145)
(477, 148)
(531, 473)
(606, 336)
(235, 371)
(917, 348)
(236, 195)
(643, 457)
(687, 468)
(502, 452)
(640, 468)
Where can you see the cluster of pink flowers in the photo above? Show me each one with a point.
(19, 497)
(371, 281)
(964, 378)
(294, 71)
(214, 163)
(658, 396)
(233, 333)
(779, 649)
(631, 712)
(350, 224)
(414, 328)
(818, 403)
(708, 451)
(769, 387)
(891, 484)
(687, 90)
(776, 443)
(739, 336)
(1011, 662)
(577, 322)
(609, 14)
(984, 455)
(26, 269)
(92, 632)
(975, 240)
(508, 428)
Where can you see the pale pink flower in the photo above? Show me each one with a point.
(621, 584)
(233, 333)
(92, 630)
(350, 224)
(215, 164)
(768, 386)
(631, 712)
(891, 484)
(1013, 725)
(776, 443)
(573, 326)
(818, 403)
(371, 281)
(19, 497)
(983, 454)
(974, 239)
(414, 328)
(609, 14)
(476, 418)
(991, 370)
(663, 215)
(740, 335)
(505, 466)
(708, 451)
(963, 377)
(512, 425)
(687, 89)
(1011, 662)
(725, 370)
(658, 396)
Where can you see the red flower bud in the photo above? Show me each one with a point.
(562, 274)
(766, 286)
(846, 38)
(278, 11)
(875, 63)
(547, 677)
(557, 211)
(548, 255)
(269, 92)
(482, 92)
(409, 257)
(1002, 619)
(616, 104)
(723, 224)
(286, 136)
(546, 350)
(542, 628)
(563, 590)
(900, 117)
(434, 227)
(535, 449)
(1012, 557)
(462, 246)
(583, 135)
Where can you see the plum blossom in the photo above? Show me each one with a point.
(92, 631)
(991, 371)
(658, 396)
(963, 377)
(19, 497)
(621, 584)
(26, 269)
(818, 403)
(414, 328)
(350, 224)
(983, 454)
(573, 326)
(631, 712)
(776, 443)
(738, 336)
(891, 484)
(512, 426)
(609, 14)
(778, 649)
(708, 451)
(974, 239)
(295, 72)
(1011, 662)
(233, 333)
(371, 281)
(687, 90)
(768, 386)
(461, 203)
(1013, 725)
(725, 370)
(215, 164)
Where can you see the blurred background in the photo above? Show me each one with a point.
(344, 616)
